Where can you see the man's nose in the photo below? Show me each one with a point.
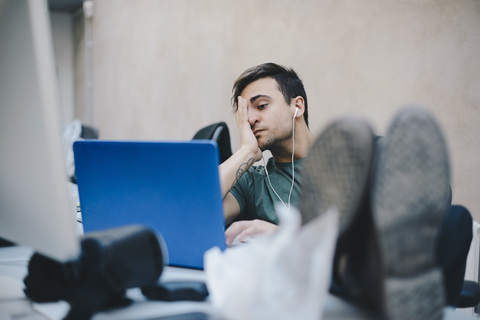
(252, 116)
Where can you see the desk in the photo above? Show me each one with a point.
(13, 304)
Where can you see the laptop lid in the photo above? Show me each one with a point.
(173, 187)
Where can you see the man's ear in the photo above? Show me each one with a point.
(299, 103)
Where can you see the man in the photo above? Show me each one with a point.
(392, 193)
(269, 101)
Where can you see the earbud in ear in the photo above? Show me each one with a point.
(296, 111)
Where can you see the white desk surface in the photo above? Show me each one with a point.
(13, 304)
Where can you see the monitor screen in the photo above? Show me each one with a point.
(35, 206)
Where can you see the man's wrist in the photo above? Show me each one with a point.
(247, 152)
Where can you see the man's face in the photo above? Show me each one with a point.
(270, 117)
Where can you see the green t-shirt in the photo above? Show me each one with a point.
(255, 195)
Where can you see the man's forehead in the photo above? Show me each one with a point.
(265, 86)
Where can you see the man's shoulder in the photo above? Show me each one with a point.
(260, 168)
(254, 173)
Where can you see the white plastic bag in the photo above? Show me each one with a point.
(285, 275)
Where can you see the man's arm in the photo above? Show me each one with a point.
(234, 167)
(240, 231)
(232, 170)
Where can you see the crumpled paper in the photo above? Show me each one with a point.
(284, 275)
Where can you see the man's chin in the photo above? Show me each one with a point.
(262, 147)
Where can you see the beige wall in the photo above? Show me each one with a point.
(163, 69)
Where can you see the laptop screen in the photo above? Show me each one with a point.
(173, 187)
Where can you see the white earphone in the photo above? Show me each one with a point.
(287, 206)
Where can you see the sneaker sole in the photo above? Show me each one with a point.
(336, 171)
(409, 193)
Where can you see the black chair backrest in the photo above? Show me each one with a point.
(220, 134)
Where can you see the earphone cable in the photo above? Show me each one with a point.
(293, 170)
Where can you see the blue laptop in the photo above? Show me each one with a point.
(173, 187)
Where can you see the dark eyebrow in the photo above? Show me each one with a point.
(253, 99)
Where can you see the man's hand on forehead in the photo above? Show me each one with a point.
(241, 102)
(246, 134)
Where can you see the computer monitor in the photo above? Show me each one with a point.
(35, 207)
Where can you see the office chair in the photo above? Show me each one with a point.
(470, 296)
(219, 133)
(452, 249)
(89, 132)
(86, 132)
(470, 292)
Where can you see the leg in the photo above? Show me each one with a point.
(410, 197)
(337, 173)
(385, 257)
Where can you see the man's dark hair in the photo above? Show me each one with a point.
(288, 82)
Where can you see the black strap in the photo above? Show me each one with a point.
(177, 291)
